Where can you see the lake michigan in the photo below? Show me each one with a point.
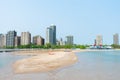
(91, 65)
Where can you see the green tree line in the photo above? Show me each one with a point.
(48, 46)
(115, 46)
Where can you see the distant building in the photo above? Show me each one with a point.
(51, 35)
(116, 39)
(62, 42)
(1, 40)
(69, 40)
(10, 38)
(95, 42)
(25, 38)
(57, 42)
(17, 41)
(38, 40)
(4, 43)
(99, 40)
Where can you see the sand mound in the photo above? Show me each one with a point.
(45, 62)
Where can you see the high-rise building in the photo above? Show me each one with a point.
(17, 41)
(1, 40)
(116, 39)
(53, 27)
(57, 42)
(25, 38)
(51, 35)
(69, 40)
(99, 40)
(10, 38)
(62, 42)
(4, 43)
(38, 40)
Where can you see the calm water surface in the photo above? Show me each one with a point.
(96, 65)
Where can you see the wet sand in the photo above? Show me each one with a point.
(45, 62)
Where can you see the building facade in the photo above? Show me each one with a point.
(1, 40)
(10, 38)
(69, 40)
(38, 40)
(99, 40)
(51, 35)
(4, 43)
(25, 38)
(116, 39)
(17, 41)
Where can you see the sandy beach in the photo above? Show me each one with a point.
(44, 61)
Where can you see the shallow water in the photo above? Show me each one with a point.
(100, 65)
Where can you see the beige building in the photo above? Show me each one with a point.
(116, 39)
(38, 40)
(1, 40)
(99, 40)
(25, 38)
(4, 42)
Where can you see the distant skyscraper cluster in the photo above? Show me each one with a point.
(11, 39)
(99, 40)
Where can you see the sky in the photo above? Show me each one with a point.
(84, 19)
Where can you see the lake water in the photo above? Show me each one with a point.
(96, 65)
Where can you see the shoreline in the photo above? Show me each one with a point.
(46, 51)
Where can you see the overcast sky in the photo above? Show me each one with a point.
(84, 19)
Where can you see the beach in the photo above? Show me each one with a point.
(44, 60)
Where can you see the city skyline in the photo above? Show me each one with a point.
(30, 39)
(84, 19)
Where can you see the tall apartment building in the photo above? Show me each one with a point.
(38, 40)
(1, 40)
(10, 38)
(25, 38)
(17, 41)
(99, 40)
(4, 43)
(69, 40)
(116, 39)
(51, 35)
